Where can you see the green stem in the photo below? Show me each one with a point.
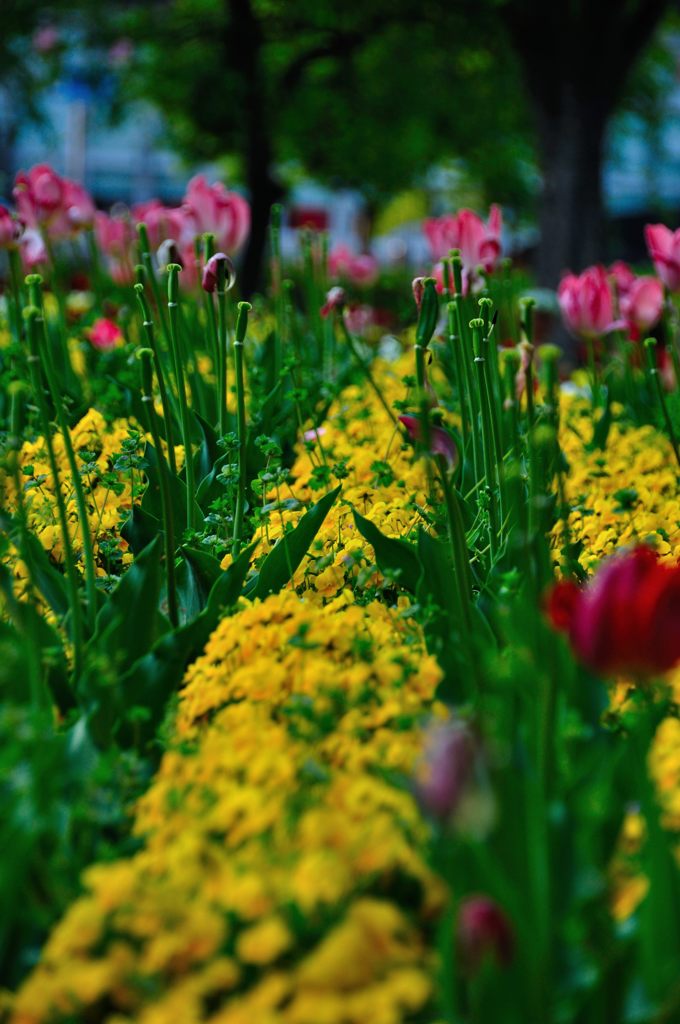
(173, 311)
(147, 324)
(488, 443)
(145, 356)
(365, 368)
(650, 346)
(33, 317)
(241, 328)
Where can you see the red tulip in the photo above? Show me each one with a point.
(626, 619)
(441, 442)
(587, 302)
(483, 932)
(664, 250)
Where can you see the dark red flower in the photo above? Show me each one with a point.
(627, 619)
(483, 931)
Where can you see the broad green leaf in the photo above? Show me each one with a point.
(394, 557)
(280, 564)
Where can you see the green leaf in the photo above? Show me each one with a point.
(152, 680)
(280, 564)
(394, 557)
(195, 576)
(208, 452)
(140, 529)
(52, 584)
(151, 502)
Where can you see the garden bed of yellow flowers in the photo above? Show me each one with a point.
(340, 764)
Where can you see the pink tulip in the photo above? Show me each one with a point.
(587, 302)
(664, 250)
(361, 270)
(39, 194)
(161, 221)
(105, 334)
(32, 248)
(114, 234)
(479, 242)
(212, 208)
(483, 932)
(78, 205)
(622, 275)
(642, 304)
(441, 442)
(10, 229)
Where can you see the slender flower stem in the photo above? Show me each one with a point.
(488, 443)
(277, 287)
(365, 368)
(456, 356)
(147, 262)
(222, 349)
(146, 355)
(57, 400)
(214, 346)
(241, 329)
(173, 310)
(33, 318)
(15, 282)
(147, 324)
(653, 373)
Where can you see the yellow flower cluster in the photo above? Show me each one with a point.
(107, 491)
(383, 482)
(282, 876)
(624, 494)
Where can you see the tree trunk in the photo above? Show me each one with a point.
(575, 61)
(246, 58)
(571, 221)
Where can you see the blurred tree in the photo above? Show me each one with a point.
(576, 61)
(372, 94)
(30, 50)
(366, 95)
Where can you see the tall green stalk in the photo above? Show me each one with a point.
(33, 318)
(146, 355)
(242, 429)
(147, 324)
(173, 316)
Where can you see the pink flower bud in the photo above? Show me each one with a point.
(418, 287)
(642, 303)
(335, 299)
(168, 252)
(441, 442)
(483, 932)
(211, 272)
(447, 768)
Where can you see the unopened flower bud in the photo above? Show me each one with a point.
(218, 273)
(168, 252)
(335, 299)
(483, 932)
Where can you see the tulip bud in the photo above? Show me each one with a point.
(428, 312)
(218, 274)
(335, 299)
(168, 252)
(483, 932)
